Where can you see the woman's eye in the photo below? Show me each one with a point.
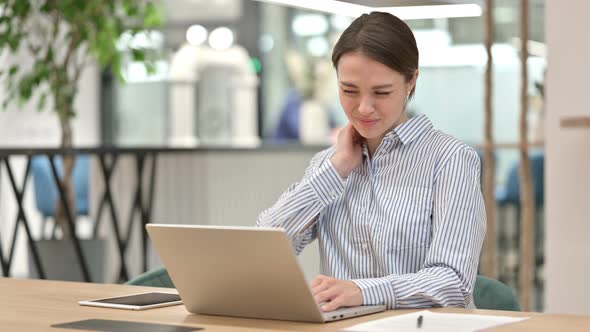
(382, 93)
(349, 91)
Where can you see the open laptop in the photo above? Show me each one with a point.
(240, 271)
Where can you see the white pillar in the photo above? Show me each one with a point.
(567, 195)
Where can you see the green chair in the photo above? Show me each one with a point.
(493, 295)
(488, 293)
(155, 278)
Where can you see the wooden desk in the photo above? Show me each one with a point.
(35, 305)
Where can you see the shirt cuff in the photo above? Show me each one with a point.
(327, 183)
(377, 291)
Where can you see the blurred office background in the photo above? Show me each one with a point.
(257, 76)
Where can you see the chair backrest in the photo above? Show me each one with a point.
(493, 295)
(512, 190)
(46, 193)
(488, 294)
(155, 278)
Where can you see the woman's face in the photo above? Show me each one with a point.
(372, 95)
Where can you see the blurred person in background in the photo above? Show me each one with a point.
(311, 113)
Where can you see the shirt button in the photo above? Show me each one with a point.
(333, 193)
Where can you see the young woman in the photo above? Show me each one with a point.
(395, 205)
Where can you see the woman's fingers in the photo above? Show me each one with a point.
(319, 288)
(326, 295)
(318, 280)
(335, 292)
(320, 284)
(333, 305)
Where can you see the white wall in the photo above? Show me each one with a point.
(25, 126)
(190, 11)
(568, 158)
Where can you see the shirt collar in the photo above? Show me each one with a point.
(411, 129)
(365, 150)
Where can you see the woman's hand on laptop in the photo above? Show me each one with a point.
(336, 293)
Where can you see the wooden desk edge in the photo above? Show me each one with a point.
(56, 301)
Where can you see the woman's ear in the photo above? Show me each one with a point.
(412, 83)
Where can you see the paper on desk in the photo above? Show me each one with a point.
(435, 322)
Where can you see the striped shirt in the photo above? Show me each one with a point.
(407, 226)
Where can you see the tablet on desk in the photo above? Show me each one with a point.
(140, 301)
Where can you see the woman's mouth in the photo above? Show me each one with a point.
(368, 122)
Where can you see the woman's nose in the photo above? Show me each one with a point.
(366, 105)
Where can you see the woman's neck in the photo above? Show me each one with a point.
(373, 145)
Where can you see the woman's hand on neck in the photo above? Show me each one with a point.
(349, 151)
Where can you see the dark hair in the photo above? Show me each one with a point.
(384, 38)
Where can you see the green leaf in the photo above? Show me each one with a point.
(46, 7)
(42, 101)
(21, 8)
(138, 54)
(49, 55)
(84, 34)
(3, 40)
(116, 67)
(14, 43)
(154, 17)
(80, 5)
(67, 11)
(25, 87)
(41, 73)
(13, 70)
(131, 8)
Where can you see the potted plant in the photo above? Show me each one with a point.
(61, 38)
